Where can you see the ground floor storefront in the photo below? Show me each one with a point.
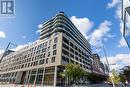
(43, 76)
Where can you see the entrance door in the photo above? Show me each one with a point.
(23, 77)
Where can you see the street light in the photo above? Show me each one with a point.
(109, 71)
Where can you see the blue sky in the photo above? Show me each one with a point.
(98, 20)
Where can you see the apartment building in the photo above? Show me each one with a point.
(40, 63)
(96, 64)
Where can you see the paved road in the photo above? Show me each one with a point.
(100, 85)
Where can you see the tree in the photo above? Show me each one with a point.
(115, 77)
(73, 73)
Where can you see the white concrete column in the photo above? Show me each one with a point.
(55, 76)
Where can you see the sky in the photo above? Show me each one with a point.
(98, 20)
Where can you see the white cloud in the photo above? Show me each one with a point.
(122, 43)
(1, 51)
(100, 33)
(113, 3)
(120, 60)
(38, 31)
(2, 34)
(84, 25)
(24, 37)
(19, 47)
(40, 26)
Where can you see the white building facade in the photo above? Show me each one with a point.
(41, 62)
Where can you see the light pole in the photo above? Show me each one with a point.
(65, 77)
(109, 71)
(6, 50)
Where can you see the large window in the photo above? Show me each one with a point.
(48, 79)
(126, 32)
(32, 76)
(49, 76)
(39, 76)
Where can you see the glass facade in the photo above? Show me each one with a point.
(126, 32)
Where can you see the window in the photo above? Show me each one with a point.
(45, 44)
(44, 50)
(48, 79)
(41, 61)
(54, 46)
(65, 40)
(83, 57)
(79, 55)
(48, 54)
(44, 55)
(79, 50)
(54, 52)
(72, 61)
(47, 60)
(31, 63)
(32, 79)
(42, 45)
(28, 64)
(53, 59)
(76, 53)
(55, 39)
(49, 69)
(65, 52)
(40, 71)
(41, 56)
(39, 79)
(82, 53)
(71, 44)
(71, 55)
(65, 59)
(80, 60)
(65, 46)
(35, 63)
(72, 50)
(76, 58)
(33, 71)
(76, 48)
(49, 48)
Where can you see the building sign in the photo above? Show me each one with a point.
(7, 8)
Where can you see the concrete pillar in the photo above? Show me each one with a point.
(55, 76)
(18, 78)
